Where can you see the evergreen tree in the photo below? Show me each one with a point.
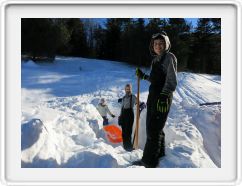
(125, 45)
(78, 42)
(206, 51)
(90, 26)
(153, 26)
(99, 37)
(216, 46)
(178, 31)
(41, 38)
(141, 44)
(125, 39)
(113, 33)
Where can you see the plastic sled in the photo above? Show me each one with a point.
(113, 133)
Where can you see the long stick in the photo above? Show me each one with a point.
(136, 136)
(211, 103)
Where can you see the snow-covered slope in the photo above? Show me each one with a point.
(62, 128)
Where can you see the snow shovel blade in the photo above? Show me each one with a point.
(113, 133)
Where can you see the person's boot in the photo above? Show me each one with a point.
(138, 163)
(125, 144)
(129, 149)
(141, 163)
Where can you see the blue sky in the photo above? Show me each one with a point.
(193, 21)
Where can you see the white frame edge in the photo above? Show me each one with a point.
(239, 94)
(236, 3)
(2, 113)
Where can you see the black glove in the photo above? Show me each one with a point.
(119, 100)
(142, 105)
(140, 74)
(113, 115)
(163, 102)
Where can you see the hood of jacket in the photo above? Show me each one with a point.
(157, 36)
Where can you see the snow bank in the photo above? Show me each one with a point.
(62, 128)
(207, 119)
(30, 133)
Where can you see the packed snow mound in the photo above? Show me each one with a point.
(30, 133)
(62, 128)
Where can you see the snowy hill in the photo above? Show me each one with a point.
(62, 128)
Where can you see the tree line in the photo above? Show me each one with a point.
(198, 49)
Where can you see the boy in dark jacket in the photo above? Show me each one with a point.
(163, 82)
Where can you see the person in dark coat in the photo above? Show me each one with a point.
(163, 82)
(126, 118)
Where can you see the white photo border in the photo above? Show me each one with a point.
(3, 115)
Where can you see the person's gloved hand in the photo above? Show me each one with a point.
(113, 115)
(142, 105)
(119, 100)
(140, 74)
(163, 102)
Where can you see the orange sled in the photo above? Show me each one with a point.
(113, 133)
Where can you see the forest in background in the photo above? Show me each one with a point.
(198, 49)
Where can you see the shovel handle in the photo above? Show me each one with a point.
(136, 134)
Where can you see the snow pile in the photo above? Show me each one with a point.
(30, 133)
(62, 128)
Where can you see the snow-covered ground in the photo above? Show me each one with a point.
(62, 128)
